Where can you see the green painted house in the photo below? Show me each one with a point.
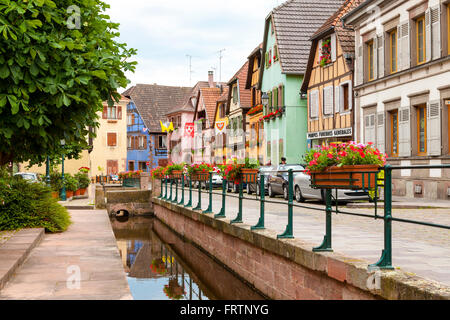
(286, 46)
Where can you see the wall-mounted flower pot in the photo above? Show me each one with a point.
(346, 177)
(176, 174)
(200, 176)
(249, 175)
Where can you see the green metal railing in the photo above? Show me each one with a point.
(385, 262)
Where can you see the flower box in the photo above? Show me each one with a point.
(346, 177)
(200, 176)
(249, 175)
(176, 174)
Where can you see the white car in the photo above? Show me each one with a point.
(303, 191)
(31, 177)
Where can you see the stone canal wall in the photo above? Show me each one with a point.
(289, 269)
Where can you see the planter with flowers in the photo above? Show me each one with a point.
(83, 180)
(246, 172)
(325, 57)
(158, 266)
(175, 171)
(345, 166)
(173, 290)
(157, 173)
(255, 109)
(199, 172)
(131, 179)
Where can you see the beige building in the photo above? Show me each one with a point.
(109, 148)
(402, 89)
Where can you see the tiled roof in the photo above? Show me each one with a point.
(344, 36)
(153, 102)
(295, 21)
(186, 105)
(245, 95)
(224, 96)
(209, 97)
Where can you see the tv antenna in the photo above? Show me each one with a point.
(220, 64)
(190, 68)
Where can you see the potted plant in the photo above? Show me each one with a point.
(199, 172)
(55, 183)
(131, 178)
(83, 181)
(71, 184)
(345, 166)
(157, 173)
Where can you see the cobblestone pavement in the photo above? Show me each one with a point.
(421, 250)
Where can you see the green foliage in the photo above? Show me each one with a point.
(174, 167)
(56, 181)
(54, 78)
(83, 180)
(70, 182)
(30, 205)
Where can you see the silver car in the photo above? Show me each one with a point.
(303, 191)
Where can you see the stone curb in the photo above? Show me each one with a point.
(16, 250)
(392, 285)
(69, 207)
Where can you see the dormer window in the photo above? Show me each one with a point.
(325, 52)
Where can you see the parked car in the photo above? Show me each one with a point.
(31, 177)
(278, 181)
(265, 171)
(303, 191)
(216, 181)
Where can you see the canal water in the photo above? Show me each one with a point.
(161, 266)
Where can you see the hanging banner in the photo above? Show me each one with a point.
(189, 129)
(220, 126)
(166, 127)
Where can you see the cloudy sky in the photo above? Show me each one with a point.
(165, 31)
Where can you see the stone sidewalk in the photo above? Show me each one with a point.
(87, 252)
(420, 250)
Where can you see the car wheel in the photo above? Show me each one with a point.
(271, 194)
(298, 195)
(249, 189)
(285, 192)
(235, 188)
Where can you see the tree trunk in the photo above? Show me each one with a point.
(5, 159)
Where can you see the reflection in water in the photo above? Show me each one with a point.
(161, 266)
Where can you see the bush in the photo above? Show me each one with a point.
(83, 180)
(56, 181)
(70, 182)
(30, 205)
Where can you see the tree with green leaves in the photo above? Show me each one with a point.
(58, 61)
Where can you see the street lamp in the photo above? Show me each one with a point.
(63, 190)
(265, 100)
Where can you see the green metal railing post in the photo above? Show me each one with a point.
(189, 204)
(171, 184)
(238, 218)
(221, 213)
(209, 209)
(385, 261)
(326, 244)
(262, 192)
(182, 190)
(288, 233)
(176, 191)
(199, 204)
(161, 193)
(165, 194)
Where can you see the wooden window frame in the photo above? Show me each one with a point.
(108, 135)
(391, 42)
(391, 119)
(418, 108)
(422, 18)
(370, 61)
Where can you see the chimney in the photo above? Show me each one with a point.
(211, 79)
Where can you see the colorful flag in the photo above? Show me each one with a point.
(144, 129)
(220, 126)
(189, 129)
(166, 127)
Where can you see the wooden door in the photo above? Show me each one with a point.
(112, 167)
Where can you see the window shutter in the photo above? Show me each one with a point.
(314, 103)
(119, 113)
(350, 95)
(337, 99)
(375, 57)
(105, 112)
(369, 128)
(333, 47)
(280, 96)
(380, 132)
(359, 66)
(404, 132)
(403, 47)
(266, 60)
(428, 34)
(145, 142)
(328, 100)
(112, 139)
(434, 128)
(436, 32)
(381, 61)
